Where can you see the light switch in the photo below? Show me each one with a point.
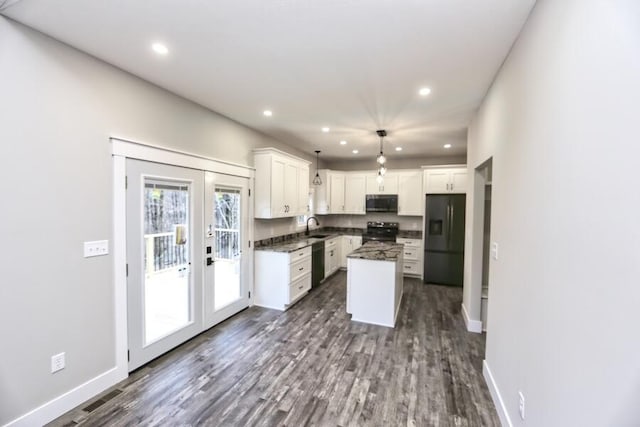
(494, 250)
(96, 248)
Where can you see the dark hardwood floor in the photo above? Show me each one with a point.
(312, 366)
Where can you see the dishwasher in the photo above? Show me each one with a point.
(317, 263)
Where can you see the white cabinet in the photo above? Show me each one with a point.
(410, 196)
(280, 181)
(389, 184)
(445, 180)
(281, 278)
(349, 244)
(336, 192)
(354, 193)
(412, 256)
(332, 255)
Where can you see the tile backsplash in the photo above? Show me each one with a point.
(360, 221)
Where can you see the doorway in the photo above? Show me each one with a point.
(187, 251)
(164, 208)
(226, 266)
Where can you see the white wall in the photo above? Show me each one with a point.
(58, 108)
(561, 122)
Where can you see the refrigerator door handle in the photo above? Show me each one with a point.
(448, 226)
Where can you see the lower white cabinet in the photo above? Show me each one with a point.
(332, 255)
(412, 256)
(281, 278)
(349, 244)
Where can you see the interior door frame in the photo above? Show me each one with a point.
(122, 149)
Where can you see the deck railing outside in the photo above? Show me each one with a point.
(167, 254)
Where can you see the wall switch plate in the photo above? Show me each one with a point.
(521, 404)
(57, 362)
(494, 250)
(96, 248)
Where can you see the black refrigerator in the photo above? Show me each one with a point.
(444, 239)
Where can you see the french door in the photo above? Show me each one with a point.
(186, 260)
(226, 246)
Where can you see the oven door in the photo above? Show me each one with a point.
(377, 238)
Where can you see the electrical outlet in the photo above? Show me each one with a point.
(521, 405)
(57, 362)
(494, 250)
(96, 248)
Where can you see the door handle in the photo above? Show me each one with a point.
(210, 261)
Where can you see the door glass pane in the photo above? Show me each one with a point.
(227, 246)
(167, 288)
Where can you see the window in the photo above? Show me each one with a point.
(301, 220)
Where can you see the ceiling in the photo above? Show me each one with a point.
(354, 66)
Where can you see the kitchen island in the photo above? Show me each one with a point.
(375, 283)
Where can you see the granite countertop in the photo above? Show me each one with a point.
(378, 251)
(294, 245)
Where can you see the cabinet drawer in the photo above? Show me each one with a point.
(410, 254)
(302, 253)
(299, 287)
(411, 267)
(299, 268)
(330, 243)
(408, 243)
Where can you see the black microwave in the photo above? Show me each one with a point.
(381, 203)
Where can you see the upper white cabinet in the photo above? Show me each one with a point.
(340, 193)
(389, 184)
(410, 195)
(336, 192)
(354, 193)
(280, 183)
(344, 192)
(445, 180)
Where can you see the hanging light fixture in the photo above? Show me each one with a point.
(316, 179)
(381, 159)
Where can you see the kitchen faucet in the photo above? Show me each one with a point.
(306, 233)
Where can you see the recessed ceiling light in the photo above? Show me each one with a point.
(424, 91)
(447, 145)
(268, 113)
(355, 151)
(343, 142)
(398, 148)
(325, 129)
(159, 48)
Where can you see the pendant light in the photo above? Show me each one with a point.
(316, 179)
(381, 159)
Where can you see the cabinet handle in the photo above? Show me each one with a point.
(409, 253)
(300, 287)
(301, 268)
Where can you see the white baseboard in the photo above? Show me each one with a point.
(495, 395)
(69, 400)
(472, 325)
